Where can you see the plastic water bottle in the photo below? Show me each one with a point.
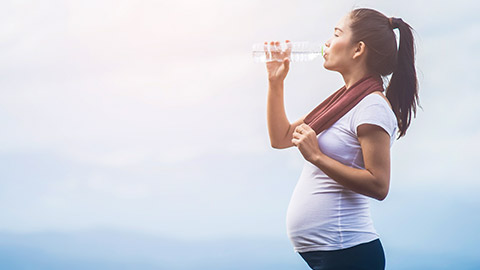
(301, 51)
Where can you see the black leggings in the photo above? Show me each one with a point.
(366, 256)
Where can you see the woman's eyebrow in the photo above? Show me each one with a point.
(336, 28)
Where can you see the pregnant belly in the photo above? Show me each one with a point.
(321, 212)
(308, 210)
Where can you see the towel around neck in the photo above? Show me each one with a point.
(342, 101)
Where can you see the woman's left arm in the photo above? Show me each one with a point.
(373, 181)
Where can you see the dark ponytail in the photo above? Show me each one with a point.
(402, 91)
(376, 31)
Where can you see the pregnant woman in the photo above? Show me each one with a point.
(346, 140)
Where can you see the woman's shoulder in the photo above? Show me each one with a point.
(380, 94)
(376, 97)
(375, 109)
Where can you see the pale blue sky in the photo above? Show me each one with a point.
(150, 117)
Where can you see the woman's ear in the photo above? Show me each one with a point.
(359, 49)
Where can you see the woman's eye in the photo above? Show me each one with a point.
(336, 35)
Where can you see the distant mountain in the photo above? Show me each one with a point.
(105, 250)
(108, 249)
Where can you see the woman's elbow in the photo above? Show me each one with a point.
(381, 188)
(382, 196)
(276, 146)
(273, 145)
(280, 145)
(382, 193)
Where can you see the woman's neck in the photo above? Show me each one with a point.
(353, 77)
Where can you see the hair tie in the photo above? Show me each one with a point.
(393, 22)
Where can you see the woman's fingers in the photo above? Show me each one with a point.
(274, 50)
(302, 131)
(267, 52)
(307, 128)
(288, 51)
(295, 142)
(297, 135)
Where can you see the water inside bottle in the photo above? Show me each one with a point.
(301, 52)
(260, 56)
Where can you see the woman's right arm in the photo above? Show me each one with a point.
(279, 128)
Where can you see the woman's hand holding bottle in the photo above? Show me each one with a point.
(277, 69)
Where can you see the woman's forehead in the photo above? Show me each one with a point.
(343, 23)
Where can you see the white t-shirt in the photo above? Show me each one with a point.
(322, 214)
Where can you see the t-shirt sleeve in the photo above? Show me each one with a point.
(376, 114)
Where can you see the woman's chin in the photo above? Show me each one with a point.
(327, 66)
